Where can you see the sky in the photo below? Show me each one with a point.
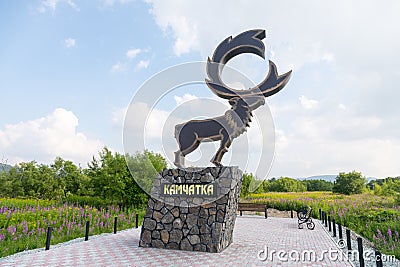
(69, 70)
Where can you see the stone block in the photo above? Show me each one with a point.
(191, 216)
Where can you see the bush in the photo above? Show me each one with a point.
(349, 183)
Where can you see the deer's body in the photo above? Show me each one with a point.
(235, 121)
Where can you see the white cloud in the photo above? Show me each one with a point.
(70, 42)
(45, 138)
(153, 123)
(143, 64)
(132, 53)
(338, 55)
(119, 67)
(186, 97)
(329, 142)
(110, 3)
(304, 34)
(308, 103)
(52, 5)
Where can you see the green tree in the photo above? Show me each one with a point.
(121, 179)
(29, 176)
(159, 162)
(141, 166)
(12, 185)
(286, 184)
(318, 185)
(70, 178)
(247, 178)
(349, 183)
(108, 174)
(48, 187)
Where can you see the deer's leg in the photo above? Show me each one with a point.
(186, 146)
(179, 159)
(223, 148)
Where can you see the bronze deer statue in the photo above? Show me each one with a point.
(234, 122)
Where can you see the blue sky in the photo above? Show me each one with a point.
(70, 68)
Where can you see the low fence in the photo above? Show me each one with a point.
(337, 231)
(50, 229)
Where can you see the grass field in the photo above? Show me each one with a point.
(375, 217)
(23, 223)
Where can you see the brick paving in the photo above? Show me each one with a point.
(251, 234)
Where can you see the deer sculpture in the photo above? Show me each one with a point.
(235, 121)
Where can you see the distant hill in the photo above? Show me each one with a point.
(329, 178)
(5, 167)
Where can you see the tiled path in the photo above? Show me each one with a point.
(251, 235)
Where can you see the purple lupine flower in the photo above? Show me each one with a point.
(2, 237)
(389, 232)
(11, 230)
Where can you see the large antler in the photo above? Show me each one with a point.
(246, 42)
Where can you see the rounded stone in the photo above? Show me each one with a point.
(194, 239)
(165, 236)
(194, 230)
(177, 223)
(146, 237)
(168, 218)
(157, 244)
(155, 234)
(200, 247)
(158, 205)
(205, 229)
(203, 213)
(175, 236)
(175, 212)
(185, 245)
(202, 221)
(149, 224)
(191, 220)
(172, 246)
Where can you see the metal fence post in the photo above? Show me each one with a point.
(360, 252)
(291, 214)
(115, 224)
(87, 231)
(329, 223)
(334, 227)
(340, 230)
(378, 256)
(326, 220)
(348, 240)
(48, 238)
(320, 214)
(137, 220)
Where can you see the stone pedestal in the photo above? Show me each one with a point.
(192, 209)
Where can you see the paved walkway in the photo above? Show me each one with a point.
(251, 235)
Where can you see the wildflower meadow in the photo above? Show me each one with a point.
(24, 223)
